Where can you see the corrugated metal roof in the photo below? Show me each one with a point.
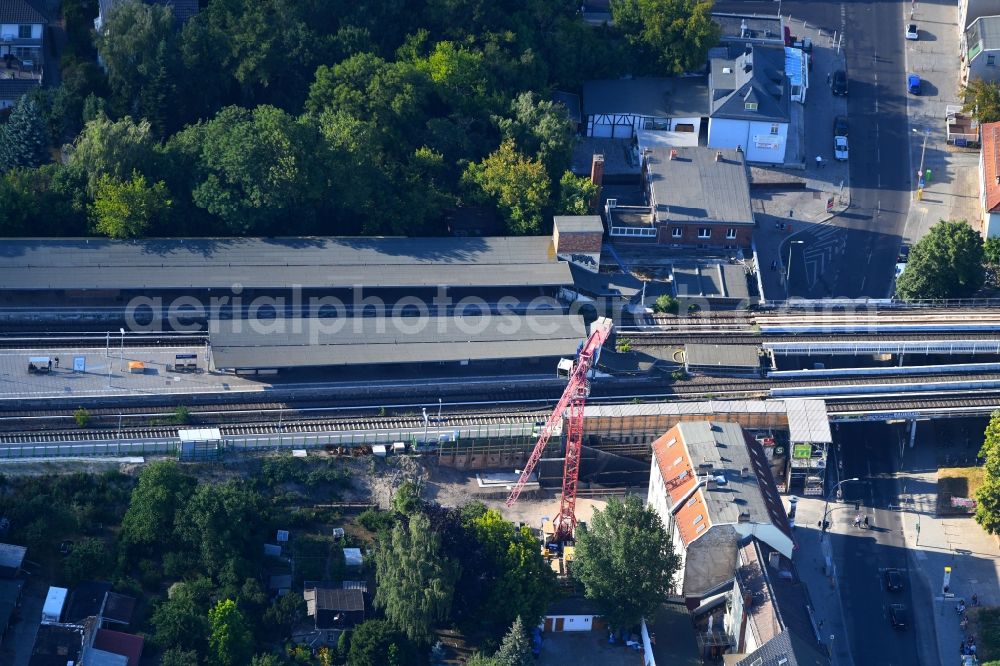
(808, 421)
(369, 340)
(186, 263)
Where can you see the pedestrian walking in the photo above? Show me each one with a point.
(819, 162)
(975, 599)
(857, 520)
(774, 265)
(866, 522)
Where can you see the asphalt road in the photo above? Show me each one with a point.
(862, 555)
(879, 156)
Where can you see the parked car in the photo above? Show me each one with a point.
(904, 254)
(838, 83)
(840, 148)
(897, 616)
(913, 84)
(893, 580)
(912, 32)
(840, 126)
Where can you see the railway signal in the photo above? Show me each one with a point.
(571, 403)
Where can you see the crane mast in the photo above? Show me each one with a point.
(571, 404)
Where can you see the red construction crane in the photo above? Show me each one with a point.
(573, 399)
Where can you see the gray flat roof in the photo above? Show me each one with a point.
(202, 263)
(368, 340)
(578, 223)
(676, 97)
(11, 556)
(694, 187)
(711, 280)
(723, 356)
(758, 27)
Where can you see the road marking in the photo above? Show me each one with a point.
(876, 105)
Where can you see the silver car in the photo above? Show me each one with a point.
(840, 148)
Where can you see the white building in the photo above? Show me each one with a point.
(751, 96)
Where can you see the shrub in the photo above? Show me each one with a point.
(665, 303)
(82, 417)
(623, 345)
(376, 521)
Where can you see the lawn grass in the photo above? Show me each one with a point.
(957, 482)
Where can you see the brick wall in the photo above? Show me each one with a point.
(689, 235)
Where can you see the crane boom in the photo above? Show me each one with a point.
(572, 401)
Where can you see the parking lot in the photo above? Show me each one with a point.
(585, 647)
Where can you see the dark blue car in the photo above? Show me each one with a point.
(913, 84)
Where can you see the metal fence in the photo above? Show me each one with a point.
(419, 437)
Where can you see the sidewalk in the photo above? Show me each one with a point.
(781, 214)
(952, 192)
(956, 542)
(812, 563)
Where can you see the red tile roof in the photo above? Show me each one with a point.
(128, 645)
(991, 166)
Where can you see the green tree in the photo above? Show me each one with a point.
(230, 641)
(946, 263)
(518, 186)
(988, 494)
(518, 582)
(179, 623)
(90, 559)
(415, 579)
(375, 643)
(128, 209)
(459, 74)
(674, 34)
(267, 659)
(576, 194)
(541, 128)
(254, 169)
(285, 614)
(162, 490)
(991, 251)
(114, 148)
(178, 657)
(515, 650)
(221, 522)
(137, 45)
(625, 561)
(407, 498)
(666, 303)
(982, 100)
(24, 140)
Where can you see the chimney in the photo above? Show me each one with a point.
(739, 148)
(745, 473)
(744, 517)
(673, 153)
(718, 156)
(597, 178)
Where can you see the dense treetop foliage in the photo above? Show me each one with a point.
(321, 117)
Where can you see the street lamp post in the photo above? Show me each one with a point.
(923, 153)
(788, 268)
(827, 503)
(122, 353)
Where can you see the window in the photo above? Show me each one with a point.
(704, 232)
(673, 440)
(642, 232)
(774, 128)
(991, 60)
(699, 519)
(750, 106)
(731, 233)
(24, 32)
(699, 529)
(679, 460)
(677, 232)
